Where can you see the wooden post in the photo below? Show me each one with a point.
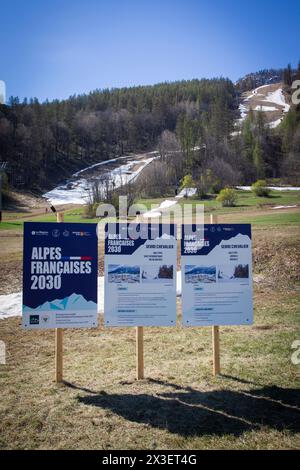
(59, 335)
(58, 355)
(215, 329)
(139, 352)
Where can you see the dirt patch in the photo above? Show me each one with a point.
(10, 276)
(264, 327)
(23, 200)
(277, 258)
(253, 101)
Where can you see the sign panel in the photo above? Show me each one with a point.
(140, 275)
(60, 275)
(217, 275)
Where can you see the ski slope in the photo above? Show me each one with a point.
(77, 189)
(266, 98)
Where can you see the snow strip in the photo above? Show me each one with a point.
(11, 304)
(187, 192)
(105, 162)
(285, 207)
(274, 124)
(243, 111)
(79, 191)
(278, 98)
(157, 211)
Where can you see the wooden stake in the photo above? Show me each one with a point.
(139, 333)
(59, 355)
(215, 329)
(139, 352)
(59, 335)
(216, 350)
(59, 217)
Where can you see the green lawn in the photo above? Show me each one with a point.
(247, 200)
(271, 219)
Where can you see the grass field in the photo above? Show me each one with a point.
(246, 201)
(253, 404)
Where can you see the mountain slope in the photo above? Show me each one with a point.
(270, 99)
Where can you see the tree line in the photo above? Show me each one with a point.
(45, 141)
(190, 122)
(210, 156)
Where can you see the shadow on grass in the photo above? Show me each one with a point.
(78, 387)
(190, 412)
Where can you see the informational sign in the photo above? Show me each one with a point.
(140, 275)
(217, 275)
(60, 275)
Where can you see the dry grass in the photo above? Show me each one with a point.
(179, 404)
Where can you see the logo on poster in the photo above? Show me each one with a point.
(34, 320)
(55, 233)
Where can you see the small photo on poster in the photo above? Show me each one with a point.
(194, 274)
(233, 272)
(157, 274)
(118, 273)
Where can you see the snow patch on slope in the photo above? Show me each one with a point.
(277, 97)
(265, 108)
(77, 192)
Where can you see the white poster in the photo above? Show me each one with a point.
(217, 275)
(140, 275)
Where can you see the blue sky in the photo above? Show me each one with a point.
(53, 49)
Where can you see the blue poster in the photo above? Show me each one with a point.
(60, 265)
(216, 272)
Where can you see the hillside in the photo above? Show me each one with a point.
(202, 128)
(46, 142)
(257, 79)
